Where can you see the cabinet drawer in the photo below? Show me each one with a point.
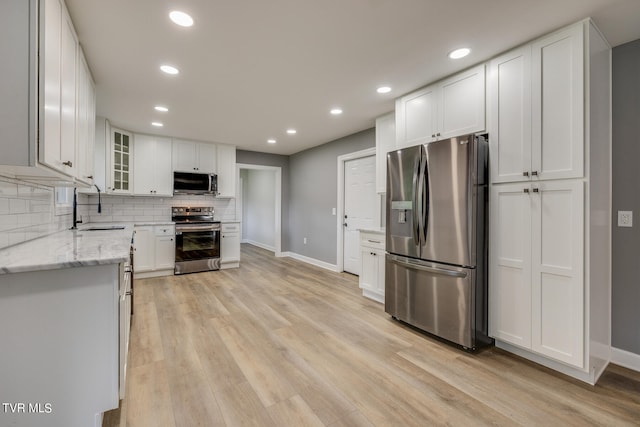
(230, 228)
(164, 230)
(372, 240)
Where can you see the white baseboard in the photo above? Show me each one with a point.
(625, 359)
(311, 261)
(260, 245)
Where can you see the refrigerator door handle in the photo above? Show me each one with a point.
(433, 270)
(416, 205)
(425, 200)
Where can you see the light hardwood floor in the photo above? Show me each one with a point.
(281, 343)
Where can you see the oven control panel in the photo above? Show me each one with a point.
(193, 210)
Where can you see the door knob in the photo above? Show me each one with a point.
(345, 224)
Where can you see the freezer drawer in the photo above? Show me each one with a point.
(436, 298)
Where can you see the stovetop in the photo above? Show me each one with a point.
(192, 214)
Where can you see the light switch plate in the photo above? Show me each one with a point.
(625, 218)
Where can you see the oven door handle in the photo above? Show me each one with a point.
(201, 228)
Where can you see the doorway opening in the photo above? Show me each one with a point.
(259, 205)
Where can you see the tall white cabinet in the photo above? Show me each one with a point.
(549, 266)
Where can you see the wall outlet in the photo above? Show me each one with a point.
(625, 218)
(333, 211)
(304, 240)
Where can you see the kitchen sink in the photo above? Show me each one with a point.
(104, 228)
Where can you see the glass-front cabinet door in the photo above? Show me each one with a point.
(121, 150)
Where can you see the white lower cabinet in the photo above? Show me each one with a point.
(372, 255)
(154, 250)
(536, 268)
(230, 245)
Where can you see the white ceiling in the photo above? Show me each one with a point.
(250, 69)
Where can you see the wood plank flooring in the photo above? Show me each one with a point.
(281, 343)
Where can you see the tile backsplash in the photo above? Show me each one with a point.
(27, 212)
(145, 208)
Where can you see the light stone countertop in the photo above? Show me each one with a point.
(69, 248)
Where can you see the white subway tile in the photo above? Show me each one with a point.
(4, 206)
(17, 206)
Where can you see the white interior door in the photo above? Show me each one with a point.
(359, 207)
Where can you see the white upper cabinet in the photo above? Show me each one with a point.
(226, 171)
(463, 103)
(417, 117)
(119, 168)
(385, 142)
(510, 115)
(536, 96)
(191, 156)
(86, 119)
(47, 97)
(558, 104)
(152, 174)
(451, 107)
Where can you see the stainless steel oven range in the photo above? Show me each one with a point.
(197, 239)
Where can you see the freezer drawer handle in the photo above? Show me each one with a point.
(429, 269)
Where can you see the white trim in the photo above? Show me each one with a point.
(278, 208)
(590, 377)
(625, 359)
(311, 261)
(259, 245)
(340, 212)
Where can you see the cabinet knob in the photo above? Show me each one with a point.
(68, 163)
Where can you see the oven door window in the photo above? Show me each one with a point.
(192, 245)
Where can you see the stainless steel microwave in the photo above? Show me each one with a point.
(195, 183)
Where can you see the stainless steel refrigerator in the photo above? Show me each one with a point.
(436, 261)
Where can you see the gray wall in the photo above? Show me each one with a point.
(626, 196)
(313, 194)
(266, 159)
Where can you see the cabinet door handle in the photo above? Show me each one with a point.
(438, 134)
(534, 173)
(68, 163)
(536, 190)
(90, 177)
(526, 190)
(373, 241)
(525, 173)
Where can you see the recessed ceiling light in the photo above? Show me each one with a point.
(271, 141)
(161, 108)
(291, 131)
(336, 111)
(383, 89)
(157, 124)
(459, 53)
(181, 18)
(169, 69)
